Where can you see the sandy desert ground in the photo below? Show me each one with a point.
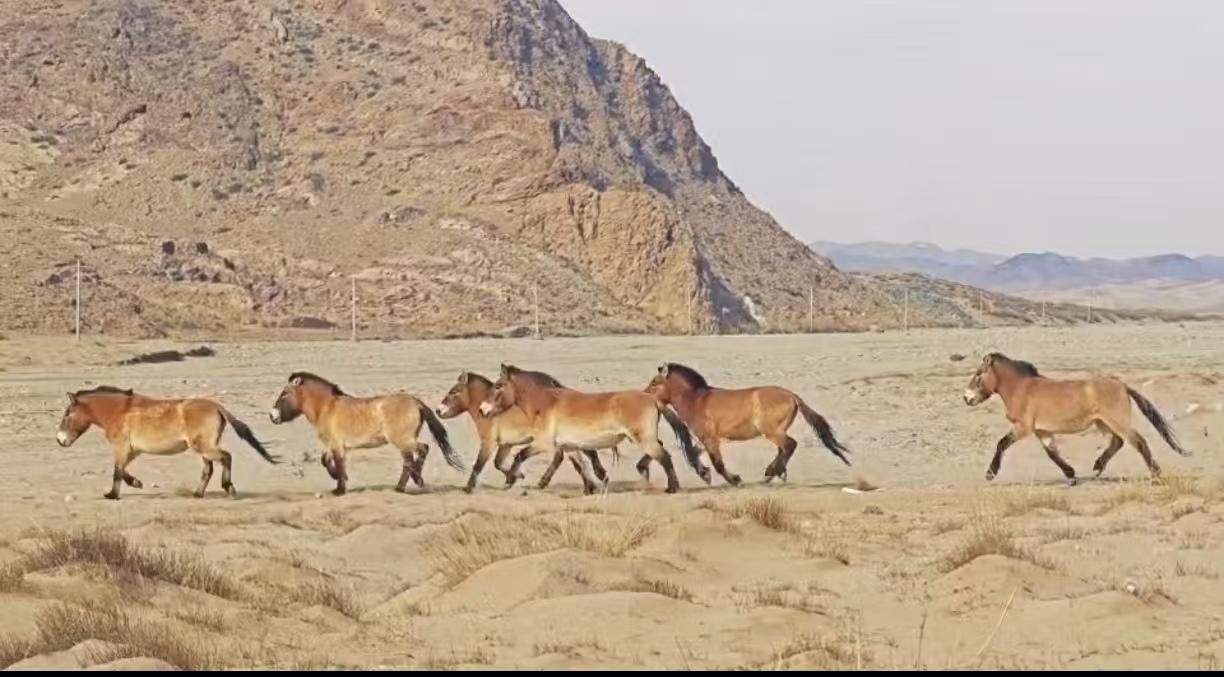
(935, 569)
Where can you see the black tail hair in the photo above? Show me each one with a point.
(244, 431)
(691, 453)
(439, 434)
(824, 431)
(1158, 422)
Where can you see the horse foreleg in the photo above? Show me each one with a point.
(555, 463)
(123, 456)
(340, 474)
(592, 455)
(1005, 442)
(712, 448)
(1051, 448)
(482, 457)
(499, 462)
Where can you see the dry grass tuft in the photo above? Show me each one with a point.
(766, 511)
(946, 524)
(63, 626)
(990, 536)
(331, 594)
(829, 545)
(12, 578)
(783, 597)
(474, 544)
(658, 587)
(455, 659)
(570, 649)
(1030, 500)
(126, 562)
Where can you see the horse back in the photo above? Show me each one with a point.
(356, 417)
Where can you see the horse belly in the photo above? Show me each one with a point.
(157, 445)
(589, 439)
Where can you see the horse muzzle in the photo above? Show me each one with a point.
(487, 409)
(973, 399)
(275, 415)
(61, 438)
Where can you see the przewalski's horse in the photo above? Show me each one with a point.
(135, 425)
(345, 423)
(1043, 407)
(498, 433)
(569, 420)
(544, 380)
(716, 414)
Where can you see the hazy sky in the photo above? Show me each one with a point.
(1090, 127)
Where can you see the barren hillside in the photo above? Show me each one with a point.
(229, 166)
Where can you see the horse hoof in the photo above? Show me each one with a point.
(469, 489)
(338, 492)
(706, 477)
(672, 489)
(990, 475)
(111, 495)
(137, 485)
(735, 480)
(198, 494)
(1071, 481)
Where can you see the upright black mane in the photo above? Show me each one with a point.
(1019, 366)
(473, 376)
(307, 376)
(541, 379)
(103, 389)
(696, 381)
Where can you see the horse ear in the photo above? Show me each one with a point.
(295, 381)
(463, 378)
(71, 398)
(663, 369)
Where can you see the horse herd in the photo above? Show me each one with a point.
(535, 413)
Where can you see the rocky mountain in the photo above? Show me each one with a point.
(246, 166)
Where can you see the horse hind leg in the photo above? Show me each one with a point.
(1051, 449)
(418, 468)
(786, 448)
(1115, 443)
(205, 478)
(601, 473)
(660, 454)
(1138, 442)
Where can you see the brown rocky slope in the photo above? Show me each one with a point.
(229, 166)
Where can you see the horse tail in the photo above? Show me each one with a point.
(1157, 420)
(439, 434)
(244, 431)
(691, 453)
(823, 430)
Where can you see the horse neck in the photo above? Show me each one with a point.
(104, 410)
(683, 397)
(1008, 381)
(315, 402)
(531, 398)
(477, 393)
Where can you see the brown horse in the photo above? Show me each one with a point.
(1043, 407)
(135, 425)
(498, 433)
(569, 421)
(345, 423)
(716, 414)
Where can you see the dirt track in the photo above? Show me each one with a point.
(1115, 572)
